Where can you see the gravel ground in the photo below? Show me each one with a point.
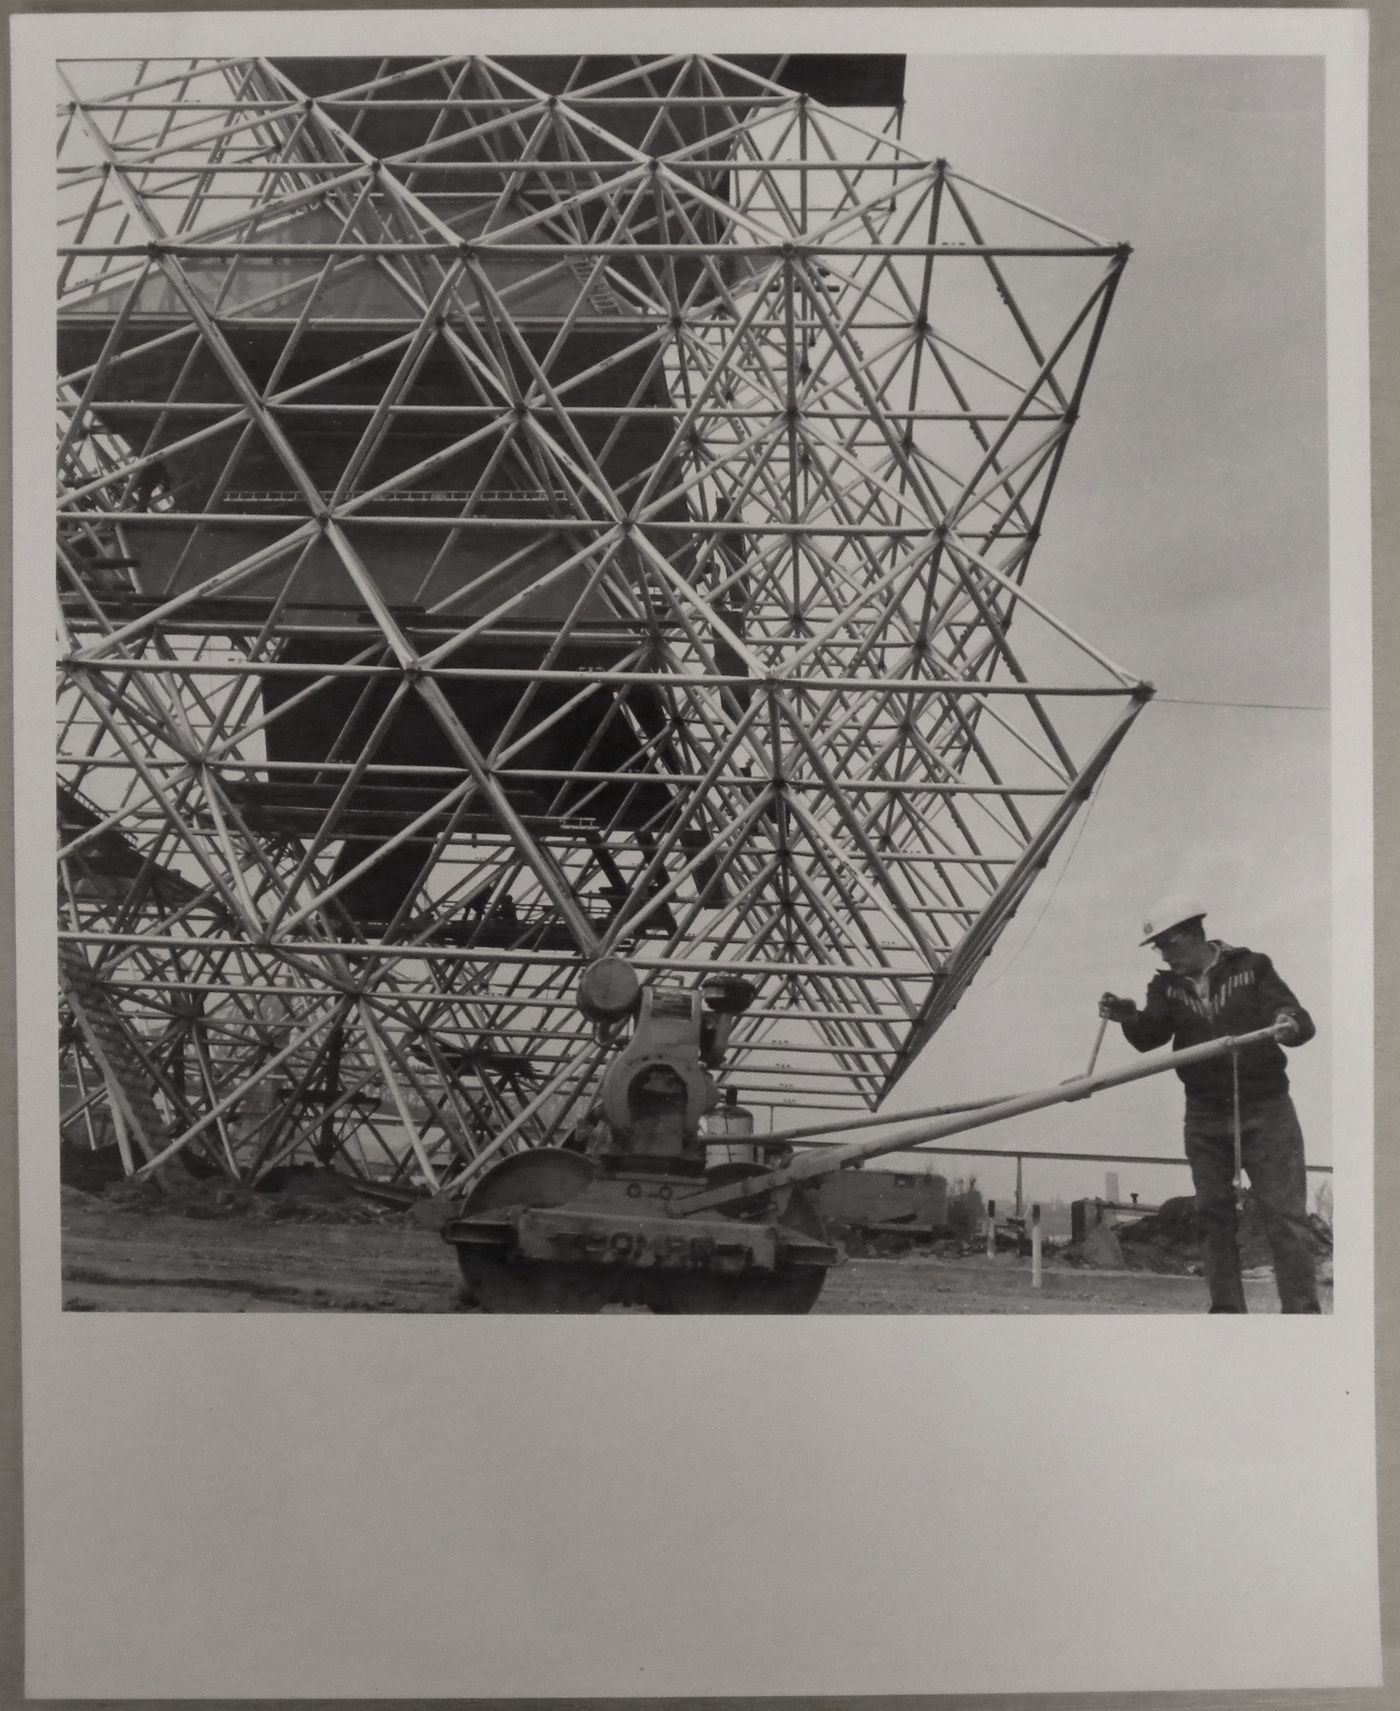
(128, 1261)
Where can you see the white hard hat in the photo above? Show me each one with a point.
(1170, 912)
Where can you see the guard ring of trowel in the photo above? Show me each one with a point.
(609, 990)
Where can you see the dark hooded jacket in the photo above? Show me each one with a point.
(1243, 993)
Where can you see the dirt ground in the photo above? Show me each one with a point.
(136, 1261)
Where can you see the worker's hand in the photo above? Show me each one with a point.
(1115, 1009)
(1289, 1025)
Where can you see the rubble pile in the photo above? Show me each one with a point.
(88, 1169)
(864, 1241)
(1167, 1241)
(303, 1194)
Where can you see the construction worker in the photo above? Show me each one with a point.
(1207, 990)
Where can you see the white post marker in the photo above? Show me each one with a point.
(1035, 1245)
(991, 1229)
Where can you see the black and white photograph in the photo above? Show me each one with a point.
(592, 595)
(702, 670)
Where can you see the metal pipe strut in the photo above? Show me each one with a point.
(823, 1162)
(687, 458)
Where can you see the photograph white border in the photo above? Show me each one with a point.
(606, 1507)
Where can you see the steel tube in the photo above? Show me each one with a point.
(484, 247)
(441, 953)
(812, 1164)
(931, 1151)
(506, 674)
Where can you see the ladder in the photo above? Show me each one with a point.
(109, 1041)
(597, 288)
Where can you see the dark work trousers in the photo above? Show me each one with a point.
(1272, 1151)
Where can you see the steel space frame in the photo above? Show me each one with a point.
(861, 403)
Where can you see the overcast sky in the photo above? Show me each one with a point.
(1188, 540)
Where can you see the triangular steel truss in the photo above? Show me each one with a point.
(513, 511)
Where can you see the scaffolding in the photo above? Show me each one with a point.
(514, 511)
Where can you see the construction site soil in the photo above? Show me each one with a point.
(318, 1246)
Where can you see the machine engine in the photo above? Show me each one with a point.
(598, 1221)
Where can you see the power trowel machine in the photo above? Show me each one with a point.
(572, 1229)
(630, 1213)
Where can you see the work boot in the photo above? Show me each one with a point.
(1227, 1309)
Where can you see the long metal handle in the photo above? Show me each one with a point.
(825, 1161)
(1238, 1184)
